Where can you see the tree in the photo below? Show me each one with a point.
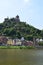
(42, 33)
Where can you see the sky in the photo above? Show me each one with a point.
(29, 11)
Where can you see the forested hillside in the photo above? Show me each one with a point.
(14, 28)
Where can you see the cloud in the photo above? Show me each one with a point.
(26, 1)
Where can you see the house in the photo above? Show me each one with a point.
(27, 43)
(14, 42)
(10, 42)
(41, 40)
(3, 40)
(17, 42)
(37, 40)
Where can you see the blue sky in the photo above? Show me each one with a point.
(30, 11)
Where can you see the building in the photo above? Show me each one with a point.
(17, 42)
(27, 43)
(14, 42)
(3, 40)
(17, 19)
(10, 42)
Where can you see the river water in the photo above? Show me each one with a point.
(21, 57)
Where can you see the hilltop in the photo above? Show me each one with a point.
(13, 27)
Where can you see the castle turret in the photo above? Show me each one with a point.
(17, 18)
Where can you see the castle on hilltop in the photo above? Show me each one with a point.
(16, 19)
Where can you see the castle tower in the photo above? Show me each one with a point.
(17, 18)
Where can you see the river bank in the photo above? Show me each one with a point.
(17, 47)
